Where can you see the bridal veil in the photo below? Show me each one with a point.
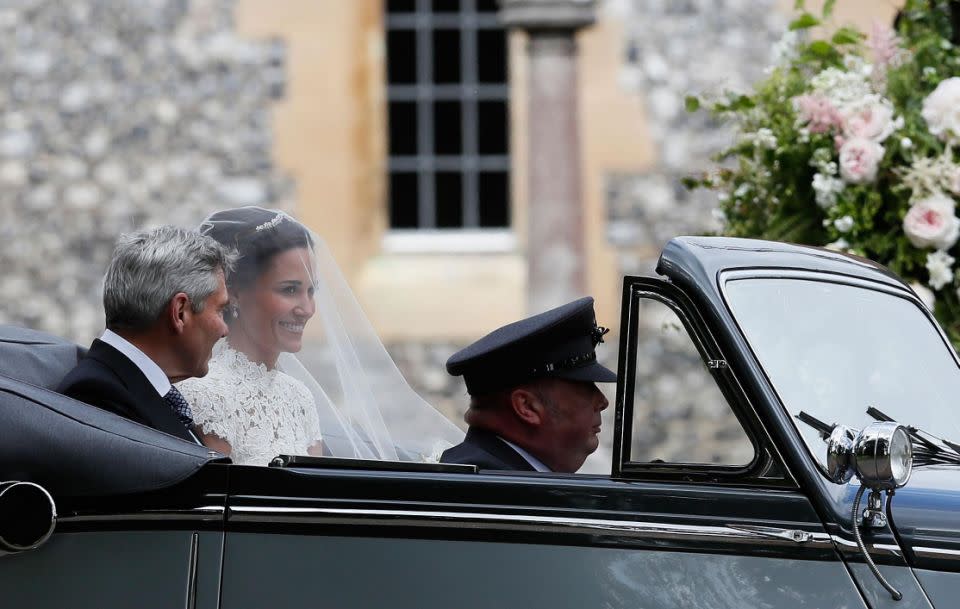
(366, 408)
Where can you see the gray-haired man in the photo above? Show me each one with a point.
(164, 296)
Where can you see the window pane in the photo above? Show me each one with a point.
(493, 127)
(401, 56)
(446, 56)
(447, 128)
(449, 200)
(679, 413)
(487, 6)
(404, 193)
(492, 56)
(494, 198)
(830, 350)
(401, 6)
(446, 6)
(403, 128)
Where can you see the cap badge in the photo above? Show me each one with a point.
(597, 334)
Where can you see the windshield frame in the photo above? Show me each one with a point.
(728, 276)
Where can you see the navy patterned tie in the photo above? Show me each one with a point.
(180, 406)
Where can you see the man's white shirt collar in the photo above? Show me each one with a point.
(147, 366)
(533, 461)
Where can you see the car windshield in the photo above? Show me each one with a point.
(834, 349)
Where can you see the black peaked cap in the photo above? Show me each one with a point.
(559, 343)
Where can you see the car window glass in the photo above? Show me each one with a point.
(833, 350)
(679, 413)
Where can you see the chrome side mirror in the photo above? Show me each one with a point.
(881, 455)
(28, 516)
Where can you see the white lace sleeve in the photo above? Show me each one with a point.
(311, 420)
(211, 413)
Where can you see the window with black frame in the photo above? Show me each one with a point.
(448, 115)
(680, 414)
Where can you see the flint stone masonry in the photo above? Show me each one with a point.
(675, 48)
(117, 115)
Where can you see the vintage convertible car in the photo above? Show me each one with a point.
(843, 384)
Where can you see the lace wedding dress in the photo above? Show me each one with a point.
(261, 413)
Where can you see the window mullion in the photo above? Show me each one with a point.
(469, 77)
(426, 204)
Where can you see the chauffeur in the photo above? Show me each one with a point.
(534, 401)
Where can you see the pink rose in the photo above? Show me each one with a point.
(859, 159)
(931, 223)
(871, 119)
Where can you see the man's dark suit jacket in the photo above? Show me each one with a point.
(108, 379)
(485, 450)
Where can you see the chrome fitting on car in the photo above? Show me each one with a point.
(881, 455)
(28, 516)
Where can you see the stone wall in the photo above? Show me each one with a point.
(674, 48)
(116, 115)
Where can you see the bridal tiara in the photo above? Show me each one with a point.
(272, 222)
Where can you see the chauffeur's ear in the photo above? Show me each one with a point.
(528, 406)
(178, 312)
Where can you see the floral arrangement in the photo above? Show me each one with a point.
(851, 142)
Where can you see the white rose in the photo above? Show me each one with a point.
(859, 159)
(925, 295)
(870, 118)
(940, 267)
(941, 110)
(931, 223)
(843, 224)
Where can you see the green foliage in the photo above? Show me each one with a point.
(770, 179)
(803, 22)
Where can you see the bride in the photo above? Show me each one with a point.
(259, 400)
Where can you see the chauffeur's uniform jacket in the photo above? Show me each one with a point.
(485, 450)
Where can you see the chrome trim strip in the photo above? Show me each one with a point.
(514, 521)
(848, 544)
(207, 513)
(935, 552)
(192, 572)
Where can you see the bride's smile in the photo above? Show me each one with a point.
(273, 310)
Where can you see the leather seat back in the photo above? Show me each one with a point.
(36, 357)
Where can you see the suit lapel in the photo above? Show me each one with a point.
(148, 403)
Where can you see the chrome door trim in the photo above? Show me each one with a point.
(935, 552)
(591, 526)
(206, 513)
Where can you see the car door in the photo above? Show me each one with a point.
(328, 533)
(139, 514)
(148, 552)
